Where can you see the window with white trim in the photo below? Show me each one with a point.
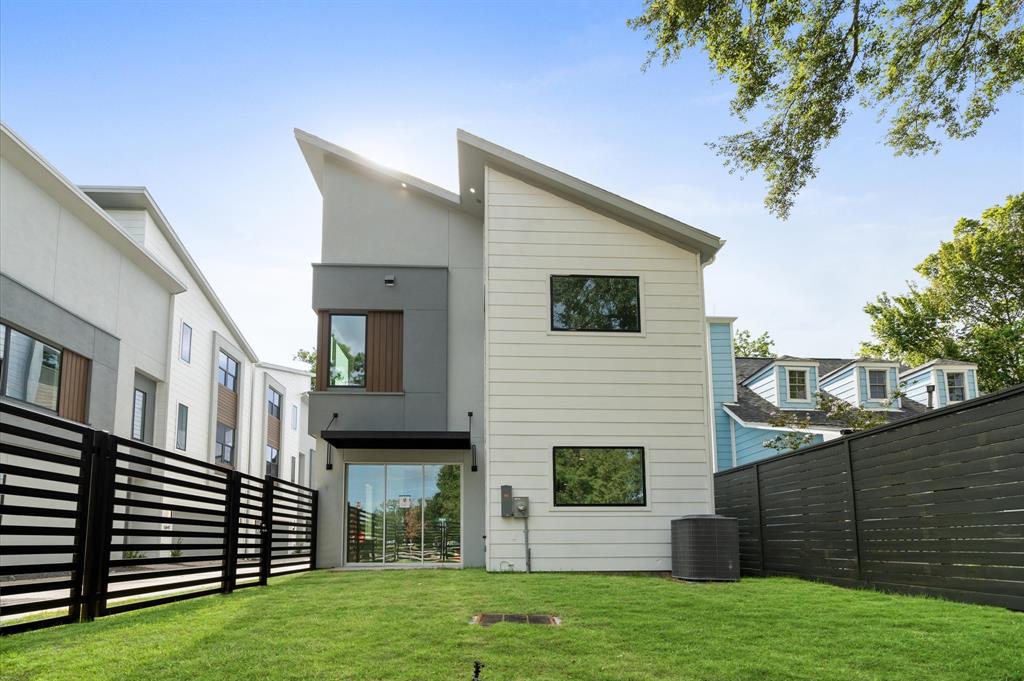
(797, 379)
(878, 384)
(295, 417)
(956, 386)
(185, 349)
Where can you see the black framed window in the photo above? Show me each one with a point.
(348, 350)
(274, 403)
(181, 437)
(955, 386)
(29, 369)
(273, 463)
(227, 371)
(224, 449)
(599, 476)
(139, 416)
(185, 351)
(591, 302)
(878, 384)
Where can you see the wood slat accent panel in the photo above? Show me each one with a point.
(227, 407)
(323, 340)
(274, 432)
(384, 352)
(74, 386)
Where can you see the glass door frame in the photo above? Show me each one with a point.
(382, 562)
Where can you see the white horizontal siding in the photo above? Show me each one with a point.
(548, 389)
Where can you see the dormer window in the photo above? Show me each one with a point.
(878, 384)
(955, 386)
(797, 384)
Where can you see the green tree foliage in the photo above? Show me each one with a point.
(840, 412)
(745, 345)
(307, 357)
(598, 476)
(933, 68)
(971, 306)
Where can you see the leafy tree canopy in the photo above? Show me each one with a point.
(307, 357)
(971, 306)
(745, 345)
(933, 68)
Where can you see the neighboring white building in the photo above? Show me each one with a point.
(99, 273)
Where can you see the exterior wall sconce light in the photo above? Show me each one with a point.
(472, 447)
(389, 280)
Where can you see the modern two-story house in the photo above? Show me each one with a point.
(531, 336)
(753, 395)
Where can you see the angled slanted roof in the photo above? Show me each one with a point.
(315, 148)
(476, 153)
(28, 161)
(139, 198)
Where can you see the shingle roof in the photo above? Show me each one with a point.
(752, 408)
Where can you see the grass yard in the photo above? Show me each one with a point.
(414, 625)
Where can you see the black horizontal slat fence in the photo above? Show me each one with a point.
(92, 524)
(931, 505)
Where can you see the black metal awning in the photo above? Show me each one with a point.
(397, 439)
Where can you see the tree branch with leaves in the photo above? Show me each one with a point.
(933, 68)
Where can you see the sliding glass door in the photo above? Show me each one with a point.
(403, 513)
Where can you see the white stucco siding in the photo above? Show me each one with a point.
(547, 389)
(46, 247)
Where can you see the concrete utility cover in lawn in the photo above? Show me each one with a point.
(486, 619)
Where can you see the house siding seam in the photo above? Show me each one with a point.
(545, 389)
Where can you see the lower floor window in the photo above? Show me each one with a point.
(273, 466)
(599, 476)
(32, 371)
(224, 450)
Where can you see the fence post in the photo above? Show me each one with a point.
(95, 558)
(266, 529)
(759, 517)
(852, 500)
(82, 536)
(314, 513)
(232, 503)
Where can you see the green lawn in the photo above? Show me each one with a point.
(414, 625)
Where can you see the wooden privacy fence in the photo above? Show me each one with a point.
(933, 505)
(92, 524)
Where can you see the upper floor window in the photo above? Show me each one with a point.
(599, 476)
(30, 368)
(224, 449)
(347, 350)
(274, 403)
(227, 371)
(955, 386)
(590, 302)
(295, 417)
(797, 384)
(185, 351)
(878, 384)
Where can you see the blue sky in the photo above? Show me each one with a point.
(197, 101)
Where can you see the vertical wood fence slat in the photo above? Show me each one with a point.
(229, 572)
(312, 537)
(851, 496)
(759, 518)
(266, 530)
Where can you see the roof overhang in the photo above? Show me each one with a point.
(316, 150)
(476, 153)
(397, 439)
(139, 198)
(28, 161)
(816, 429)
